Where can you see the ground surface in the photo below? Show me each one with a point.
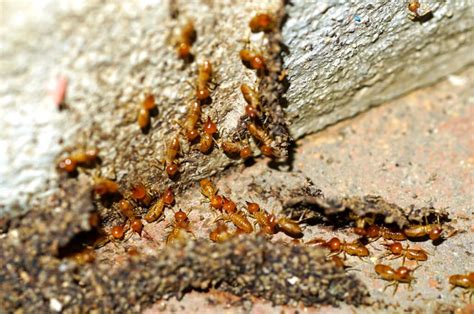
(415, 150)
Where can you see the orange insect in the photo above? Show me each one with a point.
(400, 275)
(290, 227)
(180, 226)
(189, 125)
(204, 77)
(156, 210)
(267, 222)
(117, 232)
(236, 149)
(149, 102)
(186, 40)
(104, 187)
(337, 246)
(68, 164)
(221, 233)
(261, 136)
(252, 110)
(207, 140)
(433, 231)
(413, 6)
(374, 231)
(172, 152)
(397, 250)
(465, 281)
(127, 209)
(140, 194)
(136, 225)
(237, 218)
(253, 60)
(262, 22)
(210, 192)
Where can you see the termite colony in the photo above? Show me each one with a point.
(201, 134)
(136, 201)
(369, 228)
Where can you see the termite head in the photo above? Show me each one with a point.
(210, 127)
(180, 216)
(257, 62)
(68, 165)
(229, 206)
(266, 150)
(171, 169)
(334, 244)
(413, 6)
(217, 201)
(149, 102)
(245, 152)
(373, 231)
(184, 51)
(252, 207)
(262, 22)
(202, 93)
(395, 248)
(192, 135)
(168, 196)
(136, 225)
(117, 232)
(251, 112)
(435, 233)
(139, 191)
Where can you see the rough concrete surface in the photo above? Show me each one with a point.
(346, 56)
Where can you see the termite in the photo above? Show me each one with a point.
(337, 246)
(84, 256)
(186, 39)
(126, 208)
(189, 125)
(262, 22)
(85, 157)
(253, 60)
(149, 102)
(104, 187)
(136, 225)
(267, 222)
(236, 149)
(290, 227)
(252, 110)
(67, 164)
(207, 139)
(172, 151)
(204, 77)
(236, 217)
(261, 136)
(433, 231)
(117, 232)
(400, 275)
(181, 224)
(157, 209)
(465, 281)
(140, 194)
(398, 250)
(77, 158)
(210, 192)
(221, 233)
